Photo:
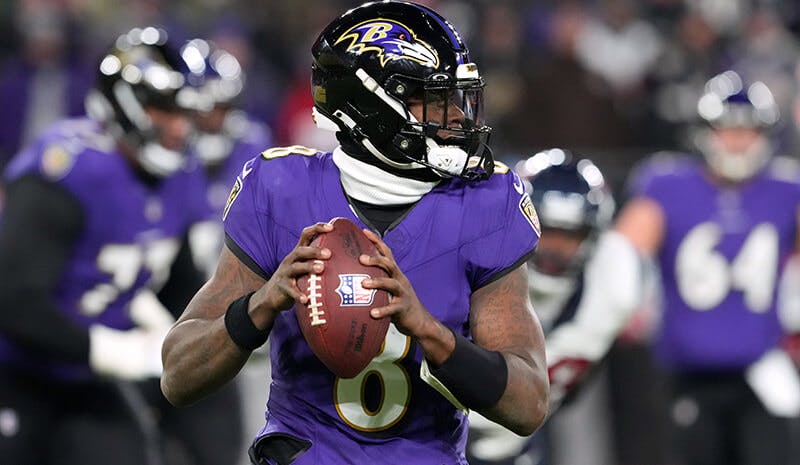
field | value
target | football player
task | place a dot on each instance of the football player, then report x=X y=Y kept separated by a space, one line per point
x=582 y=282
x=225 y=137
x=94 y=213
x=720 y=232
x=454 y=232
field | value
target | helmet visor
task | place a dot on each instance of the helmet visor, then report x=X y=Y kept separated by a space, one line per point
x=458 y=105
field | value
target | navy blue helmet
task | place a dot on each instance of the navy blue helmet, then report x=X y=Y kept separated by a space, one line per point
x=569 y=195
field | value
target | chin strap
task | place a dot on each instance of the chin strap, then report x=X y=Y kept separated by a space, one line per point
x=371 y=184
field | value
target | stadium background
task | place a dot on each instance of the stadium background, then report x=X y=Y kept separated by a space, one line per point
x=614 y=80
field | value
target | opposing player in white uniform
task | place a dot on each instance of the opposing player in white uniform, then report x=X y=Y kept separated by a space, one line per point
x=584 y=285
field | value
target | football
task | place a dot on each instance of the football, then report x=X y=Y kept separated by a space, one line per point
x=335 y=321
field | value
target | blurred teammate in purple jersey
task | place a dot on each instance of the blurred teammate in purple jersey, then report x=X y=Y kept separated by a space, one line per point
x=454 y=231
x=225 y=137
x=721 y=232
x=223 y=140
x=583 y=284
x=95 y=211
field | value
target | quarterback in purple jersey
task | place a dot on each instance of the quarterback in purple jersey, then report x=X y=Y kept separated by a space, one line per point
x=95 y=211
x=454 y=232
x=720 y=233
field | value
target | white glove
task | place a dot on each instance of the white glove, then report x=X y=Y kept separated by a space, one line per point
x=148 y=312
x=494 y=443
x=775 y=381
x=129 y=355
x=134 y=354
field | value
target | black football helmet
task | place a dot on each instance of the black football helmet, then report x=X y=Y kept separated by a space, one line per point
x=729 y=101
x=369 y=62
x=141 y=70
x=571 y=196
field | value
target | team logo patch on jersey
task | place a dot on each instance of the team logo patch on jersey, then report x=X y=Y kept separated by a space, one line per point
x=529 y=212
x=237 y=187
x=390 y=40
x=352 y=293
x=56 y=162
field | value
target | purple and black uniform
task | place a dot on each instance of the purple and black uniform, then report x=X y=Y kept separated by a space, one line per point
x=456 y=239
x=129 y=237
x=721 y=256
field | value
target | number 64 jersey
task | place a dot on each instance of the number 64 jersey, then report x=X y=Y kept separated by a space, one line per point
x=722 y=253
x=456 y=239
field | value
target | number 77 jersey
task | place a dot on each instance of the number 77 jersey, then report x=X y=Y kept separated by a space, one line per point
x=130 y=231
x=721 y=256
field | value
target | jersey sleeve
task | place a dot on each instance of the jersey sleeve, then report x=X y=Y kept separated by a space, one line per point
x=245 y=220
x=508 y=234
x=612 y=291
x=65 y=154
x=647 y=178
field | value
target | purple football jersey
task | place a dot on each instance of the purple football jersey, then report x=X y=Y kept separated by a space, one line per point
x=131 y=230
x=451 y=243
x=722 y=253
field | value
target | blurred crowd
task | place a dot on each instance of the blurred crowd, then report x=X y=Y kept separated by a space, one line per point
x=613 y=80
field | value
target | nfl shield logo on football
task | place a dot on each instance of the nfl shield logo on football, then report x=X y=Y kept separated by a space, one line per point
x=352 y=293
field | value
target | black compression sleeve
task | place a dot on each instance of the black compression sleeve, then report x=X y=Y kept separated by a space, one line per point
x=41 y=222
x=477 y=377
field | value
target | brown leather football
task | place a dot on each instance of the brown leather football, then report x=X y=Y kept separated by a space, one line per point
x=336 y=321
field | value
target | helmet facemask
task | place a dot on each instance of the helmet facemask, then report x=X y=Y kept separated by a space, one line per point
x=450 y=139
x=738 y=164
x=451 y=136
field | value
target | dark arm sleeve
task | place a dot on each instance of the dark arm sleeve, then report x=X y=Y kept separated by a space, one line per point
x=184 y=281
x=39 y=226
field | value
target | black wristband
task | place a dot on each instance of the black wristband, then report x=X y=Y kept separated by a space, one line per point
x=477 y=377
x=240 y=327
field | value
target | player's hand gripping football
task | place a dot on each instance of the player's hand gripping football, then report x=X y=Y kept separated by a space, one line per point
x=281 y=291
x=406 y=311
